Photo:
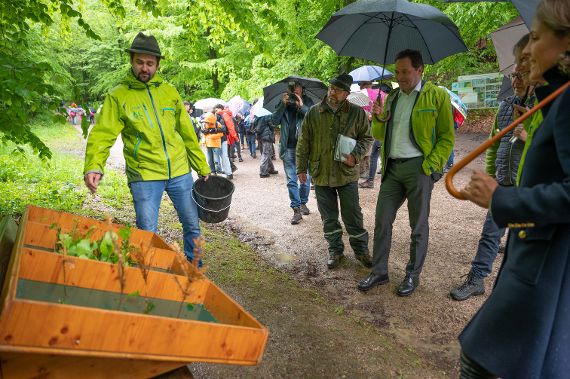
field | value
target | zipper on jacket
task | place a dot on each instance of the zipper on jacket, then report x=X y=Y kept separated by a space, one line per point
x=148 y=116
x=139 y=140
x=159 y=127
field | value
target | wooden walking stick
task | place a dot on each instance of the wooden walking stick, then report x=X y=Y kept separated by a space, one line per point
x=485 y=145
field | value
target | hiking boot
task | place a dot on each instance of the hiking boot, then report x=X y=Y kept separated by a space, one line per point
x=304 y=210
x=364 y=259
x=366 y=184
x=297 y=217
x=471 y=287
x=334 y=261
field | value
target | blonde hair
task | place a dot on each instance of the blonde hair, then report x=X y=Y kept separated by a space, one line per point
x=555 y=14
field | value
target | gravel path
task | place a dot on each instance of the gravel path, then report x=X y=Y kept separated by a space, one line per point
x=428 y=321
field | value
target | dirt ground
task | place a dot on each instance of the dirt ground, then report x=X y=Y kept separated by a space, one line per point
x=428 y=322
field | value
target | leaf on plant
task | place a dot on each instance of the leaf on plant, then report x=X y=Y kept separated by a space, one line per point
x=190 y=307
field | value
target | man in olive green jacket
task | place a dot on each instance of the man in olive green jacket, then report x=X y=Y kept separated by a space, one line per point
x=416 y=131
x=336 y=178
x=160 y=145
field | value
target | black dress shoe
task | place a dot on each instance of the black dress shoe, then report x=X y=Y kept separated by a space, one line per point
x=334 y=261
x=264 y=175
x=408 y=285
x=274 y=172
x=364 y=259
x=373 y=280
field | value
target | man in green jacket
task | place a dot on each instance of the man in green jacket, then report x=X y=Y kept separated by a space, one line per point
x=335 y=176
x=160 y=145
x=416 y=131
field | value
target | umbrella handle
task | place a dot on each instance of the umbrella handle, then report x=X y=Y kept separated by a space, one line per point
x=485 y=145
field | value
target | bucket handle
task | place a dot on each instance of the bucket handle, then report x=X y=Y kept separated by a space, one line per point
x=206 y=209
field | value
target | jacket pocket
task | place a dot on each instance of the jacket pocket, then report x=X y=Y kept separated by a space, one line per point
x=314 y=168
x=529 y=251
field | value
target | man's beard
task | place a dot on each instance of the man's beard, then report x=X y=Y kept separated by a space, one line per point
x=144 y=77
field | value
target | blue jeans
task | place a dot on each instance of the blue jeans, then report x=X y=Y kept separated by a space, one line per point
x=147 y=196
x=487 y=249
x=251 y=143
x=226 y=165
x=298 y=193
x=214 y=157
x=374 y=155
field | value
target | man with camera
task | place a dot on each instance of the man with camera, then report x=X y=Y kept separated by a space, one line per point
x=290 y=114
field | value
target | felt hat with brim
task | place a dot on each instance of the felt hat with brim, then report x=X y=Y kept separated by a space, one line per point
x=144 y=44
x=343 y=81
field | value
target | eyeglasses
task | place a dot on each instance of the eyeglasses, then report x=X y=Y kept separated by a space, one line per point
x=516 y=75
x=336 y=90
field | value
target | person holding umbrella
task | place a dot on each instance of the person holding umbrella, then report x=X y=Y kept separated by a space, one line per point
x=334 y=137
x=416 y=131
x=522 y=330
x=290 y=113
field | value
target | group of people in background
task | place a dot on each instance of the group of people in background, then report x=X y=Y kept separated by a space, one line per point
x=522 y=330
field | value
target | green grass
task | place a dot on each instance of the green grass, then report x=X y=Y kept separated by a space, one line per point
x=56 y=183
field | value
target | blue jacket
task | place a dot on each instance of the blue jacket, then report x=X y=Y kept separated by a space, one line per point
x=281 y=116
x=523 y=329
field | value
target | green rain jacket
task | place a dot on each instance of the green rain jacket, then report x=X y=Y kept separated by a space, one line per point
x=158 y=136
x=432 y=127
x=317 y=140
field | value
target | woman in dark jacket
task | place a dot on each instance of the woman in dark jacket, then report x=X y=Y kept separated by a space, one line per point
x=523 y=329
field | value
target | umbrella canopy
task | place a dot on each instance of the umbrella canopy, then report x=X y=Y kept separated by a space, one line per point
x=238 y=105
x=257 y=110
x=370 y=73
x=526 y=8
x=207 y=105
x=313 y=88
x=378 y=29
x=456 y=102
x=504 y=39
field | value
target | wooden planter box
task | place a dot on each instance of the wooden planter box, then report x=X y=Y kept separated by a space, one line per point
x=56 y=311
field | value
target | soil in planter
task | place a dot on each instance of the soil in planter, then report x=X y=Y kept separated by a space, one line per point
x=91 y=298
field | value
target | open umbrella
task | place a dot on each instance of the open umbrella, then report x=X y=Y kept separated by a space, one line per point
x=504 y=39
x=207 y=105
x=238 y=105
x=313 y=88
x=378 y=29
x=526 y=8
x=370 y=73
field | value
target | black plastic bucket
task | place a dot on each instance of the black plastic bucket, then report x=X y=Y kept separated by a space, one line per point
x=213 y=198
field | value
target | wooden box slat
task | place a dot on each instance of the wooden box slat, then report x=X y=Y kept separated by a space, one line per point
x=48 y=267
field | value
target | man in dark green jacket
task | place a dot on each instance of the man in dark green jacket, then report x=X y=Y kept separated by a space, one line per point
x=336 y=177
x=416 y=131
x=160 y=145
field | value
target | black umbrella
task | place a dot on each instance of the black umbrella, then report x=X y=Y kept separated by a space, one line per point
x=378 y=29
x=313 y=88
x=526 y=8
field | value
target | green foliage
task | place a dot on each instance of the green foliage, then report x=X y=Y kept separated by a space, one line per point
x=107 y=249
x=74 y=49
x=56 y=183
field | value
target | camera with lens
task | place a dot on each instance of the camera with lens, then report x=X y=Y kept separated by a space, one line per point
x=291 y=92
